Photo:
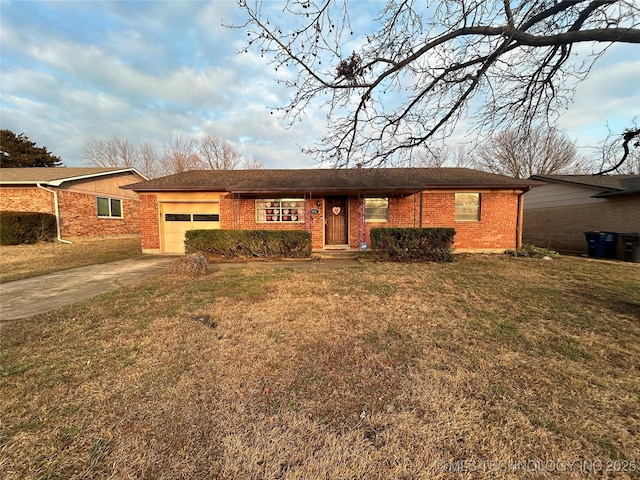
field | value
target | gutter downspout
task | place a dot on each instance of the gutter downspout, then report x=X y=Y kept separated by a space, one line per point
x=519 y=218
x=57 y=210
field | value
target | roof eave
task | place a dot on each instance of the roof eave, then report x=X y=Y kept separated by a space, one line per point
x=617 y=193
x=542 y=178
x=56 y=182
x=329 y=190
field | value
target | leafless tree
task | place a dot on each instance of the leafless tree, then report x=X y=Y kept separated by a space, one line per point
x=441 y=156
x=149 y=160
x=180 y=155
x=540 y=152
x=111 y=152
x=219 y=154
x=251 y=163
x=406 y=78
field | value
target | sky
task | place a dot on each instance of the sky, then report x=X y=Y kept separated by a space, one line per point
x=149 y=70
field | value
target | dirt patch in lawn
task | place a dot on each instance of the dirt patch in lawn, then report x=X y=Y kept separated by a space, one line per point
x=24 y=261
x=485 y=367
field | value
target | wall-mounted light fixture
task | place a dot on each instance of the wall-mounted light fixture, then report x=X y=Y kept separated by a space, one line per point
x=317 y=203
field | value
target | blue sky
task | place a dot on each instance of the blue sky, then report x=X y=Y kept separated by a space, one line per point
x=148 y=70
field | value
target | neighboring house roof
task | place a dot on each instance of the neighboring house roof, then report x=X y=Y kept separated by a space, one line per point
x=56 y=176
x=607 y=185
x=356 y=180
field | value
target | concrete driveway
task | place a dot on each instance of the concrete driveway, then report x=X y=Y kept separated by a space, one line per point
x=31 y=296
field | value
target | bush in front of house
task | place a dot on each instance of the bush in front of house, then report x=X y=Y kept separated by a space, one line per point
x=26 y=227
x=249 y=243
x=413 y=244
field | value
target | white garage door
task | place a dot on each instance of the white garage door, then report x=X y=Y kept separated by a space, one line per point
x=178 y=218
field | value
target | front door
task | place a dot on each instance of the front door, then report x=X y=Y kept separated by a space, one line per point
x=336 y=226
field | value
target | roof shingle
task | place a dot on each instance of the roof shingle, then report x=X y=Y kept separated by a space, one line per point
x=55 y=175
x=398 y=180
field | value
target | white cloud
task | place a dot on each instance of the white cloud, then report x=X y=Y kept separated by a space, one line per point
x=146 y=70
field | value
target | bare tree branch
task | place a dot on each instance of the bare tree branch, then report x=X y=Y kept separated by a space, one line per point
x=423 y=66
x=627 y=137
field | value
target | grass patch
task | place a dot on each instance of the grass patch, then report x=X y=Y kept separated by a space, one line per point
x=26 y=261
x=372 y=371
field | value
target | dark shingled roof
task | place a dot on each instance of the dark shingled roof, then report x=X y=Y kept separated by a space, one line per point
x=326 y=181
x=55 y=176
x=609 y=185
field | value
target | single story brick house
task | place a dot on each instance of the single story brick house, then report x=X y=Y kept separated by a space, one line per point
x=85 y=201
x=558 y=213
x=338 y=206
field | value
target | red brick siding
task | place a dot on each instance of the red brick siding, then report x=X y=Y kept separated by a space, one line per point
x=495 y=230
x=28 y=199
x=79 y=216
x=240 y=214
x=78 y=211
x=149 y=222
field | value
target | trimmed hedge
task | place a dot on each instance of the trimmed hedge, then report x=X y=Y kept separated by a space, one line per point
x=413 y=244
x=26 y=227
x=249 y=243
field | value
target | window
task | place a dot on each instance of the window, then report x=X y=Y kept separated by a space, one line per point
x=467 y=207
x=376 y=209
x=287 y=210
x=186 y=217
x=109 y=207
x=201 y=217
x=177 y=217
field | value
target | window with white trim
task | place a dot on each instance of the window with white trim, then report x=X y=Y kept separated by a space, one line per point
x=376 y=210
x=109 y=207
x=467 y=207
x=282 y=210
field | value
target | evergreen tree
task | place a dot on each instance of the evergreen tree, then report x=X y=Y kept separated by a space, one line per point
x=17 y=151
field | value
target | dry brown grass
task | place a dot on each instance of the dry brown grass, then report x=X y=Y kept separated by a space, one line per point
x=371 y=371
x=24 y=261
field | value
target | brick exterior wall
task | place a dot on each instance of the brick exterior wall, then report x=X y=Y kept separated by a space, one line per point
x=149 y=222
x=78 y=211
x=79 y=217
x=496 y=229
x=562 y=228
x=27 y=199
x=240 y=214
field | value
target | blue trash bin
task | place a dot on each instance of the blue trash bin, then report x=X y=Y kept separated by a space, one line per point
x=601 y=244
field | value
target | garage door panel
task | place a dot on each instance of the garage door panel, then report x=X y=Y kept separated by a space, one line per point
x=178 y=218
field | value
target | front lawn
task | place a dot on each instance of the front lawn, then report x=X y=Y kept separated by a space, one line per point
x=25 y=261
x=489 y=366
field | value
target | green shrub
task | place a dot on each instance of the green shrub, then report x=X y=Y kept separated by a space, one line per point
x=413 y=244
x=249 y=243
x=26 y=227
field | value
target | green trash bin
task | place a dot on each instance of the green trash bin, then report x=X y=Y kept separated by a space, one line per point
x=631 y=244
x=601 y=244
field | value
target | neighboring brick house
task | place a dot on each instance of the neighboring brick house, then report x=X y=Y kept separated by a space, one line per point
x=338 y=206
x=558 y=213
x=86 y=201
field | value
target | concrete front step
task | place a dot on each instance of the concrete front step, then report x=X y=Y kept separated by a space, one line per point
x=335 y=253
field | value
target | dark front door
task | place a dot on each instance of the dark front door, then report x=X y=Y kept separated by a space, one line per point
x=336 y=221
